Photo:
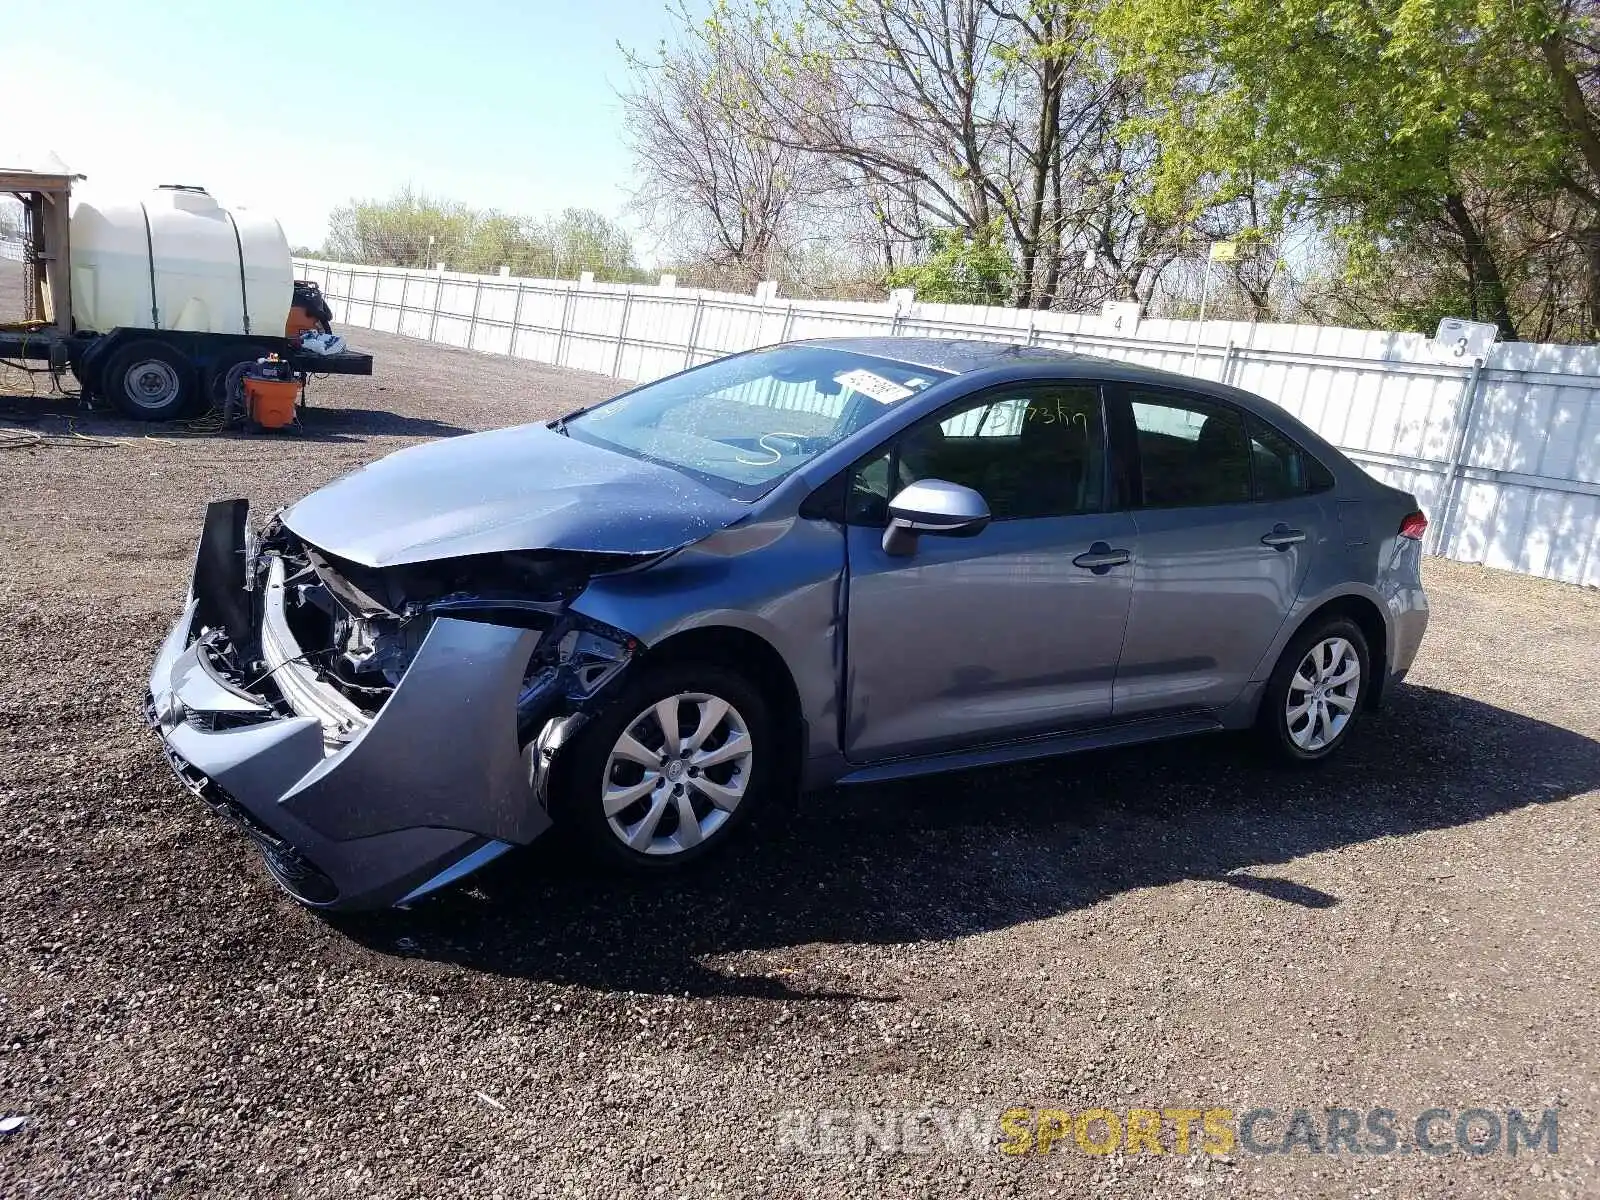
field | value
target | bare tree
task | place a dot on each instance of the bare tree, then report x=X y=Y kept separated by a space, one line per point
x=948 y=114
x=860 y=131
x=915 y=99
x=725 y=191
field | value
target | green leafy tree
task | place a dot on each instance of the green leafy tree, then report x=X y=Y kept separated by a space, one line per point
x=1396 y=122
x=961 y=268
x=412 y=229
x=581 y=239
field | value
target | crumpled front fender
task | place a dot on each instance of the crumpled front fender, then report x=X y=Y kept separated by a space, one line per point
x=441 y=752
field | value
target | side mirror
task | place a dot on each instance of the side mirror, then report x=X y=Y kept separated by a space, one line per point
x=935 y=507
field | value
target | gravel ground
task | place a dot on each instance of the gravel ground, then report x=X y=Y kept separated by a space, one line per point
x=1412 y=926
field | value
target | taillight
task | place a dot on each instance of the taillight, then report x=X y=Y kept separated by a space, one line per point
x=1414 y=526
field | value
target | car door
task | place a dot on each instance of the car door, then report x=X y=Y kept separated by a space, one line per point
x=1228 y=523
x=1014 y=631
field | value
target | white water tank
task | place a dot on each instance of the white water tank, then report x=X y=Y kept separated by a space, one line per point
x=178 y=260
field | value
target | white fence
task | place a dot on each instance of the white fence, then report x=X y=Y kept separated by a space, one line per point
x=10 y=250
x=1503 y=454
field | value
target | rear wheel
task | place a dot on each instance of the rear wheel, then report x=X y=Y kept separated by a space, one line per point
x=149 y=381
x=223 y=373
x=1316 y=692
x=670 y=770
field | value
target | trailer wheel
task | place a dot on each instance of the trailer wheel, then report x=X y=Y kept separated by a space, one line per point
x=221 y=368
x=149 y=381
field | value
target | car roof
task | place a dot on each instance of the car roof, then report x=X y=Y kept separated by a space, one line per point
x=959 y=356
x=963 y=356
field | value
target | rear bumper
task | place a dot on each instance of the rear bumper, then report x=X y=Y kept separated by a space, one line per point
x=349 y=811
x=1407 y=603
x=1409 y=622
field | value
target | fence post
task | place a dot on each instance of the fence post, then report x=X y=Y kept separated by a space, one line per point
x=622 y=331
x=900 y=302
x=788 y=322
x=1227 y=363
x=438 y=294
x=694 y=331
x=516 y=321
x=1458 y=454
x=561 y=333
x=1033 y=316
x=472 y=325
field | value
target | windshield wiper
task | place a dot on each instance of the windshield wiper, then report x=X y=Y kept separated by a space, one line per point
x=560 y=423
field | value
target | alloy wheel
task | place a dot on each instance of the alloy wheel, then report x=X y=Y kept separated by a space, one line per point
x=1323 y=692
x=677 y=773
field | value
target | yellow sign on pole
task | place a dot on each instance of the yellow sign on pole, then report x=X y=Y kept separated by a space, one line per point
x=1224 y=251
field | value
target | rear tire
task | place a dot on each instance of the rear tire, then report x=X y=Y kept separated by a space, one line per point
x=641 y=803
x=1316 y=692
x=216 y=392
x=149 y=381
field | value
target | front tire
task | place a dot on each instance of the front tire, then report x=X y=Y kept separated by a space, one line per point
x=1316 y=692
x=669 y=771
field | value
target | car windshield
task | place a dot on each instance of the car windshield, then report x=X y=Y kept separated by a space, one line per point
x=741 y=424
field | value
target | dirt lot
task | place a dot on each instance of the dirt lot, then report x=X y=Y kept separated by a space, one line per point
x=1412 y=927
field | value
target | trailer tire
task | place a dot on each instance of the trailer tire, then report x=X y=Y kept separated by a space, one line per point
x=221 y=368
x=149 y=381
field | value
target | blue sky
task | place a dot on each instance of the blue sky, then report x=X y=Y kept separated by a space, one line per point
x=297 y=107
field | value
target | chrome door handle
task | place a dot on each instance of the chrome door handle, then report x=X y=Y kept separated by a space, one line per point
x=1282 y=537
x=1100 y=558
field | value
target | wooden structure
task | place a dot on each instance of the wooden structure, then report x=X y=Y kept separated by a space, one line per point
x=45 y=188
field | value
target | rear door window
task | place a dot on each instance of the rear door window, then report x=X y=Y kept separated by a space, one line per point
x=1282 y=468
x=1278 y=465
x=1191 y=451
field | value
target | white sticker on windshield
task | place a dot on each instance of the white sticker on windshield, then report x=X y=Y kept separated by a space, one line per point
x=884 y=391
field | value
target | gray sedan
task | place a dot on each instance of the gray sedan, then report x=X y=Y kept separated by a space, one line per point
x=830 y=562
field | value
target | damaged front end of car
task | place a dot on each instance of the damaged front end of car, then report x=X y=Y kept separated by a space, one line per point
x=378 y=732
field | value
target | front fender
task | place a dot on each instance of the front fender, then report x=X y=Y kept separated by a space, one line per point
x=780 y=580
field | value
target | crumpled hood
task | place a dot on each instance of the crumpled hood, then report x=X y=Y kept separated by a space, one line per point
x=523 y=488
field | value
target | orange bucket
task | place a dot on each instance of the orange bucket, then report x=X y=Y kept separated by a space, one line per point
x=272 y=401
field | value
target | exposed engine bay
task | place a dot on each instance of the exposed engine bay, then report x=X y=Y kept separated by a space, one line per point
x=362 y=626
x=359 y=628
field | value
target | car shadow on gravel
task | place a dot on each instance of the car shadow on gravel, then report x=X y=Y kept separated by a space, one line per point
x=946 y=858
x=358 y=424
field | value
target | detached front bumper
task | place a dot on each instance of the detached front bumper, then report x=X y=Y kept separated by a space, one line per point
x=350 y=811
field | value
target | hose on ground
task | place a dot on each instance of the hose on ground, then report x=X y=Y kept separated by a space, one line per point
x=33 y=439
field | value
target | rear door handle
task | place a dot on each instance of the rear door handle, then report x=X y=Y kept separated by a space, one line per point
x=1282 y=537
x=1100 y=558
